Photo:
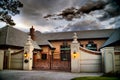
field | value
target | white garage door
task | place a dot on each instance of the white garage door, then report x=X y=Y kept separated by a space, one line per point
x=17 y=61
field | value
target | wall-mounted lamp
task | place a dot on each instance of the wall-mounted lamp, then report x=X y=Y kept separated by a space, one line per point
x=74 y=54
x=25 y=54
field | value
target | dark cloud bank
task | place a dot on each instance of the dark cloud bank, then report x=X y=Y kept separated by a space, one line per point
x=80 y=14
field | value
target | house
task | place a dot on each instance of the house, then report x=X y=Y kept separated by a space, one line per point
x=13 y=40
x=84 y=51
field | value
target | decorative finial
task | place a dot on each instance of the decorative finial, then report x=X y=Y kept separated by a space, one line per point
x=28 y=40
x=75 y=38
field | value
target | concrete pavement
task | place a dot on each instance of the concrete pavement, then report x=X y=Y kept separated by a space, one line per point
x=41 y=75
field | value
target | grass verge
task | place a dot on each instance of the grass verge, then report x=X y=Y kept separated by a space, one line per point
x=95 y=78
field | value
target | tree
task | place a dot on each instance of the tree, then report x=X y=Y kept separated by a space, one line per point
x=117 y=1
x=9 y=8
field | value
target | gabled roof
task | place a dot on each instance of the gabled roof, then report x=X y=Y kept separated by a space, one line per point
x=87 y=34
x=3 y=33
x=115 y=37
x=41 y=39
x=35 y=45
x=14 y=37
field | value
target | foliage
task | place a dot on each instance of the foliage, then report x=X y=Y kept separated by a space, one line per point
x=112 y=74
x=106 y=76
x=8 y=8
x=95 y=78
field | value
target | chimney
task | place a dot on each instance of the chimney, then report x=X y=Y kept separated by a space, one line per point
x=32 y=33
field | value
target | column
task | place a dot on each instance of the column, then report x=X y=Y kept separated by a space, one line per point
x=9 y=58
x=75 y=55
x=108 y=57
x=28 y=55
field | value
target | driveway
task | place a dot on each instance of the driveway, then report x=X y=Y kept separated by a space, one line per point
x=41 y=75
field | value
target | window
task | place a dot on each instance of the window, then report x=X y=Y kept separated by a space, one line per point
x=44 y=56
x=81 y=45
x=65 y=52
x=91 y=46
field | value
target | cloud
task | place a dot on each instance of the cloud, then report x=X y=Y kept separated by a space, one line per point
x=104 y=12
x=86 y=23
x=73 y=12
x=34 y=10
x=68 y=14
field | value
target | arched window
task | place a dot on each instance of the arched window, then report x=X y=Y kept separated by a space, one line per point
x=91 y=46
x=81 y=45
x=65 y=52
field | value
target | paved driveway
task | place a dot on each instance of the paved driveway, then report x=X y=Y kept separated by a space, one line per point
x=41 y=75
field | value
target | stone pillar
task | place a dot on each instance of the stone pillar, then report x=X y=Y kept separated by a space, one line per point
x=108 y=57
x=9 y=58
x=75 y=55
x=1 y=59
x=102 y=57
x=28 y=55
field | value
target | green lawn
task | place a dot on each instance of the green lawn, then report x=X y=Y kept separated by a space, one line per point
x=95 y=78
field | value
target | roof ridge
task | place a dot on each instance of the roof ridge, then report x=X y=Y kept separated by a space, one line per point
x=7 y=26
x=77 y=31
x=7 y=34
x=19 y=30
x=114 y=37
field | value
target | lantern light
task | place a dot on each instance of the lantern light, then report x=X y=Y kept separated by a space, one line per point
x=25 y=54
x=74 y=54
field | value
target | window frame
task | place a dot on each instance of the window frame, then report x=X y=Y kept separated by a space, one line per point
x=65 y=52
x=44 y=56
x=91 y=45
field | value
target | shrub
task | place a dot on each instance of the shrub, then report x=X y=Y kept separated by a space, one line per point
x=112 y=74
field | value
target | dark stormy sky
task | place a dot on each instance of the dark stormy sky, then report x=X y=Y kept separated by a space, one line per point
x=105 y=17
